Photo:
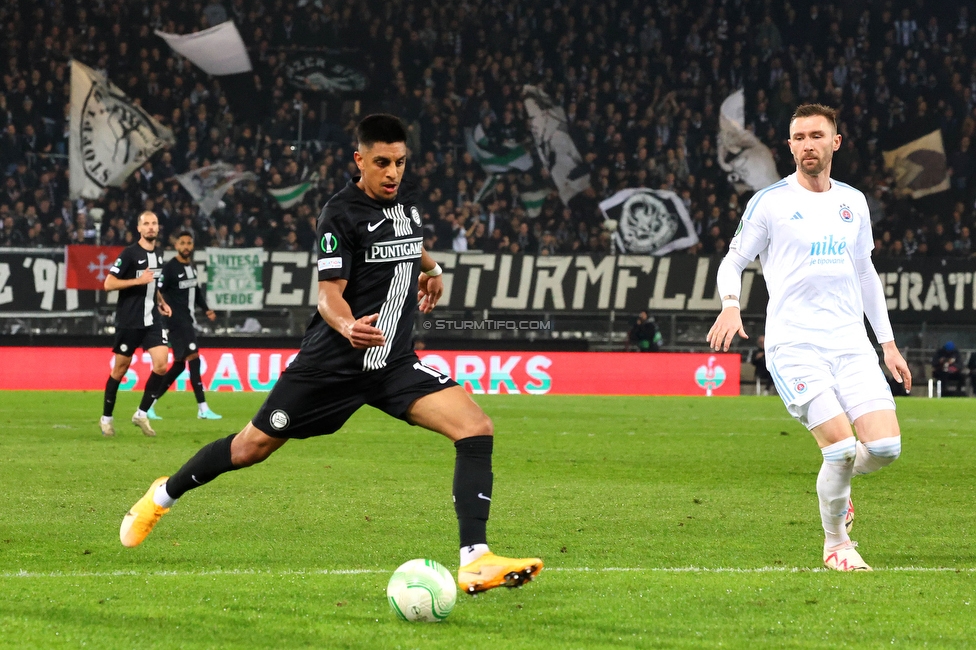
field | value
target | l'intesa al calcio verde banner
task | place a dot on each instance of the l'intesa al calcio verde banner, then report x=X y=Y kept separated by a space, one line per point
x=530 y=373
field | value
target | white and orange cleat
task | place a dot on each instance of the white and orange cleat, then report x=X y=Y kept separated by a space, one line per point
x=142 y=517
x=845 y=558
x=490 y=571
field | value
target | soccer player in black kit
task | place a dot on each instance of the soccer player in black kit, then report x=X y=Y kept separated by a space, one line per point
x=137 y=320
x=178 y=285
x=358 y=349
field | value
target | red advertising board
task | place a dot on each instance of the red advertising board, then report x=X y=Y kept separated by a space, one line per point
x=532 y=373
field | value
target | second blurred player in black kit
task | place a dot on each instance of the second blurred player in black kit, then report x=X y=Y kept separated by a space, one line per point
x=358 y=349
x=180 y=288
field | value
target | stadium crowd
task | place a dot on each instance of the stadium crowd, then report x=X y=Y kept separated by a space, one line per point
x=641 y=83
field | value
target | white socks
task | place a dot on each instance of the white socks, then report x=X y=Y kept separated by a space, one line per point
x=471 y=553
x=876 y=454
x=202 y=407
x=162 y=498
x=107 y=418
x=140 y=413
x=834 y=489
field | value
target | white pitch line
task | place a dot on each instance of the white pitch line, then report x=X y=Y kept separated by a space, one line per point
x=297 y=572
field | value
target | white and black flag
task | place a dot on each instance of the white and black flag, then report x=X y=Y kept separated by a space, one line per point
x=208 y=185
x=747 y=160
x=550 y=130
x=648 y=222
x=325 y=74
x=110 y=136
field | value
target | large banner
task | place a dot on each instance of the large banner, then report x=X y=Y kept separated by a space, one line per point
x=235 y=278
x=930 y=290
x=481 y=373
x=109 y=136
x=326 y=74
x=648 y=222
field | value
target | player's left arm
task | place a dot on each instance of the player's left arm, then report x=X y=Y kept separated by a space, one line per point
x=430 y=284
x=875 y=304
x=163 y=306
x=201 y=302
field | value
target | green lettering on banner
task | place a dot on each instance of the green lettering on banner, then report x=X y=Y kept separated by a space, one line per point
x=234 y=280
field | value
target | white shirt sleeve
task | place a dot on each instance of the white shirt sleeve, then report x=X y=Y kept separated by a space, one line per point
x=750 y=239
x=872 y=294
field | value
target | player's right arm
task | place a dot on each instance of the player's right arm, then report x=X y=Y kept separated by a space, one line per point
x=336 y=242
x=121 y=267
x=751 y=238
x=335 y=311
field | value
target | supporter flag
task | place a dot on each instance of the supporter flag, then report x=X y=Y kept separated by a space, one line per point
x=289 y=196
x=748 y=161
x=318 y=73
x=920 y=166
x=110 y=136
x=495 y=157
x=218 y=50
x=558 y=152
x=533 y=192
x=487 y=188
x=208 y=185
x=648 y=222
x=87 y=266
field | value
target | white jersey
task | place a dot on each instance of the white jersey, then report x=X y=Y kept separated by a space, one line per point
x=807 y=243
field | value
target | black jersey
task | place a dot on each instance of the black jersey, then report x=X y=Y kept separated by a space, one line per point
x=136 y=308
x=178 y=285
x=376 y=246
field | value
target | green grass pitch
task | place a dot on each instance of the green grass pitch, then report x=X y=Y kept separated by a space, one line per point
x=663 y=522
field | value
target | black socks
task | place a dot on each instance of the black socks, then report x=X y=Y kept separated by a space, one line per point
x=171 y=375
x=195 y=380
x=111 y=391
x=154 y=388
x=472 y=488
x=209 y=463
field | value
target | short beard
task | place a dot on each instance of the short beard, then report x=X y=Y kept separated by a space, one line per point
x=149 y=238
x=822 y=165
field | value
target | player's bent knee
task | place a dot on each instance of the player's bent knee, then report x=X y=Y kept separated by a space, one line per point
x=886 y=450
x=251 y=446
x=474 y=427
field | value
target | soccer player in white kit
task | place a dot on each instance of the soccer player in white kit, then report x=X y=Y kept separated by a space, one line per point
x=813 y=238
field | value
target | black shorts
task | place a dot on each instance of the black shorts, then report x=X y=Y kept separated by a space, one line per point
x=182 y=339
x=307 y=402
x=127 y=341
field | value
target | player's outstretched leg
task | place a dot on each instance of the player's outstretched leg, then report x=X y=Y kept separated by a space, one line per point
x=452 y=413
x=219 y=457
x=834 y=493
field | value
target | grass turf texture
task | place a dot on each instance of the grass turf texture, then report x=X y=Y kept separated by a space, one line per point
x=296 y=552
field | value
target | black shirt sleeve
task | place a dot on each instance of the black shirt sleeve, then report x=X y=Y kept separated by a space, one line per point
x=201 y=299
x=335 y=244
x=123 y=266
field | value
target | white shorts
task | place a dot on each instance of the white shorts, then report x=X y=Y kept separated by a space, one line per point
x=818 y=384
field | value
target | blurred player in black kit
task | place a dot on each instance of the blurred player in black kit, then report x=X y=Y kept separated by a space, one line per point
x=137 y=320
x=178 y=285
x=358 y=349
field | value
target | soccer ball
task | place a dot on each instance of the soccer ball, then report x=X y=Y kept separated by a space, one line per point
x=422 y=590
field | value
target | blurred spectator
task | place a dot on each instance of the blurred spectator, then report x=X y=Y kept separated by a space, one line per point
x=644 y=335
x=759 y=361
x=947 y=368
